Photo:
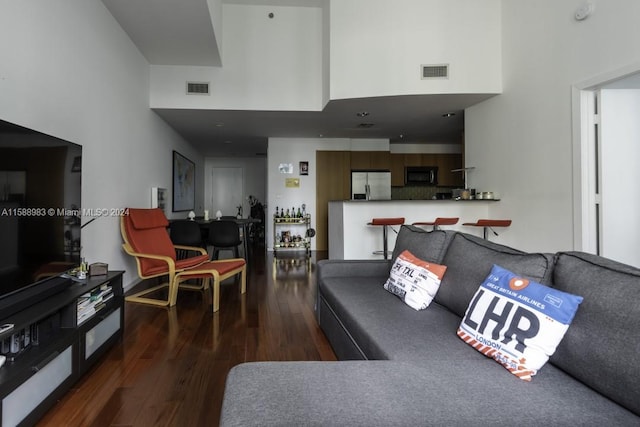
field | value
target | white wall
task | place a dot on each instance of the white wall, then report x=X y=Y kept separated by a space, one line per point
x=295 y=150
x=520 y=141
x=378 y=46
x=620 y=148
x=268 y=64
x=69 y=70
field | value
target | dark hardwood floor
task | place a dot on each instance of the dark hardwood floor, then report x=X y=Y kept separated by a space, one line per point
x=171 y=365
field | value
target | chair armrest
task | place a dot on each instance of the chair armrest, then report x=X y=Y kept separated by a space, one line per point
x=170 y=262
x=202 y=251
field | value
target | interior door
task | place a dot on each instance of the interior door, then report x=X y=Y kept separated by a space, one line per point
x=226 y=191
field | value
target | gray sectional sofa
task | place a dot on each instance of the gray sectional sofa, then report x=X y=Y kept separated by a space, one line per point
x=401 y=367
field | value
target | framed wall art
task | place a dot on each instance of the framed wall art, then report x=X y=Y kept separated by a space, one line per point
x=184 y=183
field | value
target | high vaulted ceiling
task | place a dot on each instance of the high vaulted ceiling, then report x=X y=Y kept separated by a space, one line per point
x=169 y=32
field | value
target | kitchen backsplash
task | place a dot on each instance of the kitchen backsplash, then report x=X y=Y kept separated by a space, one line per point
x=416 y=192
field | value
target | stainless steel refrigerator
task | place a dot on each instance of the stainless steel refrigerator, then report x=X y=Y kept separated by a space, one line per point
x=371 y=185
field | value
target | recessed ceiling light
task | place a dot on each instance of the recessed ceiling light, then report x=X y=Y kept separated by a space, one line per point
x=228 y=142
x=219 y=125
x=449 y=114
x=362 y=114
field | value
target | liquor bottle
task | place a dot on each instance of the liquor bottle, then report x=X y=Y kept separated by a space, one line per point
x=287 y=216
x=276 y=215
x=299 y=215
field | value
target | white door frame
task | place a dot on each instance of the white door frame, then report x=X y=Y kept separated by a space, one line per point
x=583 y=142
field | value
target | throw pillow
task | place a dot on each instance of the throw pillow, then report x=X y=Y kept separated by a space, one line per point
x=413 y=280
x=517 y=322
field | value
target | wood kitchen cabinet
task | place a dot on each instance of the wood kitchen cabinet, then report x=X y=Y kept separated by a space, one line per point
x=445 y=163
x=414 y=159
x=333 y=182
x=369 y=160
x=396 y=162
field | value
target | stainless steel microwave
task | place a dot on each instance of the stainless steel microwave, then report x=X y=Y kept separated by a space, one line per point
x=421 y=175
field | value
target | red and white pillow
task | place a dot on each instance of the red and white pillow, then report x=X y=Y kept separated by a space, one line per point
x=414 y=281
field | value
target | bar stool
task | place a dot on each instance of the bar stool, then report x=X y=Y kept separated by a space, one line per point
x=438 y=222
x=489 y=224
x=384 y=223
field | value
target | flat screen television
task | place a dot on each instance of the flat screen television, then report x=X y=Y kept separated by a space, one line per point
x=40 y=195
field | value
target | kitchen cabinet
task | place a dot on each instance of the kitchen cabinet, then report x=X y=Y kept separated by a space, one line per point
x=413 y=159
x=429 y=159
x=396 y=163
x=370 y=160
x=445 y=163
x=333 y=182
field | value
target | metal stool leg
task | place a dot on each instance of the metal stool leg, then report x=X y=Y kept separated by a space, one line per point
x=384 y=241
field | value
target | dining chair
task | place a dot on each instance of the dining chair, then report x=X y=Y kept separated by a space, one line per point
x=184 y=232
x=224 y=235
x=145 y=236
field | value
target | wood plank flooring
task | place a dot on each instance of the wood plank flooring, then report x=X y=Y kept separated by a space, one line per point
x=171 y=365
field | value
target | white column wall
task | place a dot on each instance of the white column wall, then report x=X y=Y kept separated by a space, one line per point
x=267 y=64
x=295 y=150
x=521 y=141
x=378 y=46
x=70 y=71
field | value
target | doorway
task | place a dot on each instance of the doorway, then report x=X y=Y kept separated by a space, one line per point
x=607 y=206
x=226 y=191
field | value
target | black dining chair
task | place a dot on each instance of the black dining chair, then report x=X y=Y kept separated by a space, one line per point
x=185 y=233
x=224 y=235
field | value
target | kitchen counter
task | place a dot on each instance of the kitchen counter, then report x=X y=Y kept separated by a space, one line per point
x=351 y=238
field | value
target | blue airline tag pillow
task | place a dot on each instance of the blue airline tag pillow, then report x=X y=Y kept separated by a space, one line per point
x=517 y=322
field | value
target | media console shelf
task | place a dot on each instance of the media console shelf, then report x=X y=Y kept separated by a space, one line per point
x=67 y=333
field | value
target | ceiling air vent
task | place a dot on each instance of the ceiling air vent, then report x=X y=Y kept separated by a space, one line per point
x=365 y=125
x=197 y=88
x=440 y=71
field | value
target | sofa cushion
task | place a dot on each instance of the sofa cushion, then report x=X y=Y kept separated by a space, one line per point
x=517 y=322
x=469 y=260
x=414 y=281
x=602 y=346
x=383 y=327
x=387 y=393
x=427 y=245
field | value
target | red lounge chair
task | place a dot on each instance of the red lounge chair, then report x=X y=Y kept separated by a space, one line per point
x=145 y=236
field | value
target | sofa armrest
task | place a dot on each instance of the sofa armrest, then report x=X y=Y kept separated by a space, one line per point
x=351 y=268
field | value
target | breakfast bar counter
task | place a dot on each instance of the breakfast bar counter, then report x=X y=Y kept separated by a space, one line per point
x=351 y=238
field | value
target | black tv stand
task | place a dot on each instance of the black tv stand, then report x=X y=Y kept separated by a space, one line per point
x=68 y=333
x=32 y=294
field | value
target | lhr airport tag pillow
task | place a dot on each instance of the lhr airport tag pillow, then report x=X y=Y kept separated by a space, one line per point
x=517 y=322
x=414 y=281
